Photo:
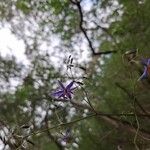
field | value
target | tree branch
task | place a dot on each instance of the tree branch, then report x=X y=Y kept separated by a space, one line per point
x=131 y=96
x=77 y=3
x=59 y=146
x=113 y=120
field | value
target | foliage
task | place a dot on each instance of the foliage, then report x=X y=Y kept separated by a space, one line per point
x=110 y=106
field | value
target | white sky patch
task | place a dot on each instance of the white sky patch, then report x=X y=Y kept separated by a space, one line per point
x=75 y=145
x=39 y=115
x=87 y=5
x=1 y=145
x=10 y=45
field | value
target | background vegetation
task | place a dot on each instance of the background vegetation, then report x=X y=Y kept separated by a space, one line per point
x=97 y=43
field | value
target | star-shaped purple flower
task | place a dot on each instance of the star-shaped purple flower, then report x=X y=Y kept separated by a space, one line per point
x=64 y=92
x=146 y=73
x=67 y=136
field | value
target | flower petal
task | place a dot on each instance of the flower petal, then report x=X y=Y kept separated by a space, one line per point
x=144 y=75
x=148 y=62
x=62 y=86
x=144 y=62
x=57 y=93
x=62 y=95
x=70 y=85
x=68 y=132
x=68 y=94
x=73 y=88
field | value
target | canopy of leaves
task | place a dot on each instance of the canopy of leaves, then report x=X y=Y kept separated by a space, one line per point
x=97 y=44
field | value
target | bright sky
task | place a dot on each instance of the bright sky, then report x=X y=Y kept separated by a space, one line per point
x=10 y=45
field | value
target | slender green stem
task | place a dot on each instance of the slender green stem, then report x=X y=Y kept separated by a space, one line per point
x=60 y=125
x=80 y=119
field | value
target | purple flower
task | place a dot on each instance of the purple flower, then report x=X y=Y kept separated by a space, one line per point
x=146 y=73
x=67 y=136
x=64 y=92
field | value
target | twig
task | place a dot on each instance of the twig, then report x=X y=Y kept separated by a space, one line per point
x=50 y=135
x=136 y=134
x=113 y=120
x=60 y=125
x=77 y=3
x=131 y=96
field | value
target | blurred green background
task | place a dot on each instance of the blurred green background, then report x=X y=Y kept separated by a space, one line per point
x=97 y=43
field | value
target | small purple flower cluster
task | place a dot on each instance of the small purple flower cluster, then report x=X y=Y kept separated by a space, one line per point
x=67 y=136
x=146 y=73
x=64 y=92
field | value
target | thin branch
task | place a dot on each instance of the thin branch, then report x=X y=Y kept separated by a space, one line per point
x=116 y=121
x=113 y=120
x=105 y=30
x=60 y=125
x=50 y=135
x=77 y=3
x=131 y=96
x=82 y=106
x=136 y=134
x=107 y=117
